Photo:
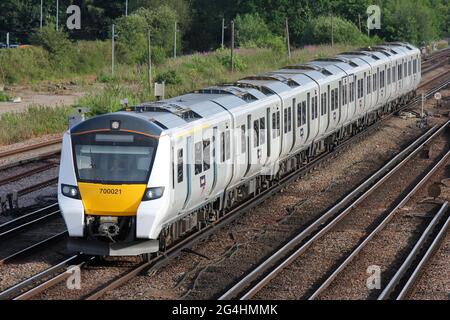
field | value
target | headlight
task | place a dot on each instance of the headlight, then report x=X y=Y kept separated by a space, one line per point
x=70 y=191
x=153 y=193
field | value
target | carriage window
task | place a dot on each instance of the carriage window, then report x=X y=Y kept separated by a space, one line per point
x=405 y=71
x=409 y=68
x=315 y=109
x=198 y=157
x=278 y=124
x=289 y=119
x=256 y=133
x=359 y=89
x=206 y=154
x=303 y=112
x=332 y=100
x=323 y=101
x=388 y=78
x=180 y=165
x=222 y=146
x=299 y=114
x=243 y=139
x=274 y=125
x=285 y=121
x=382 y=80
x=227 y=145
x=353 y=91
x=336 y=99
x=415 y=66
x=399 y=72
x=262 y=127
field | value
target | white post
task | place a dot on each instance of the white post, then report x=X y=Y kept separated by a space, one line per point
x=126 y=8
x=149 y=62
x=42 y=16
x=288 y=41
x=175 y=41
x=7 y=39
x=359 y=21
x=223 y=31
x=57 y=15
x=332 y=31
x=232 y=46
x=113 y=49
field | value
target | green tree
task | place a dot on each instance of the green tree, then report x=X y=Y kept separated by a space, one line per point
x=318 y=31
x=252 y=31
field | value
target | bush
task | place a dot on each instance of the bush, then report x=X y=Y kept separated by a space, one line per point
x=253 y=32
x=131 y=39
x=169 y=77
x=318 y=31
x=133 y=30
x=56 y=43
x=4 y=97
x=224 y=58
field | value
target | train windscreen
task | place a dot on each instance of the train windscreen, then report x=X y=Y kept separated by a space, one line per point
x=114 y=158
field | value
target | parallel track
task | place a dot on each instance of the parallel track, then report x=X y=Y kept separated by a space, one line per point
x=32 y=219
x=404 y=279
x=260 y=276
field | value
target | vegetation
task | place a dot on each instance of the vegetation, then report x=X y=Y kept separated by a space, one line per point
x=36 y=121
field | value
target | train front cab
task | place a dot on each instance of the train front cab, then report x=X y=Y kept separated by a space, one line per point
x=107 y=202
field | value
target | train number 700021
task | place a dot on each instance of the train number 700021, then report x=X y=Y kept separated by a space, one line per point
x=110 y=191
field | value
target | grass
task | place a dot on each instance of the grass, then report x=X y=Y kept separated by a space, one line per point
x=31 y=64
x=182 y=75
x=4 y=97
x=34 y=122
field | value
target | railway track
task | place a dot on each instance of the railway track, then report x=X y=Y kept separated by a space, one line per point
x=404 y=279
x=34 y=285
x=13 y=227
x=270 y=268
x=27 y=229
x=38 y=153
x=436 y=60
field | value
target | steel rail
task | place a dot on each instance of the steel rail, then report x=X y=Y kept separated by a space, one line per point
x=37 y=186
x=380 y=227
x=53 y=281
x=8 y=225
x=27 y=173
x=285 y=254
x=30 y=148
x=414 y=254
x=25 y=225
x=18 y=288
x=33 y=247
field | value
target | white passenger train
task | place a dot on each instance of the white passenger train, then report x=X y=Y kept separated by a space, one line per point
x=134 y=181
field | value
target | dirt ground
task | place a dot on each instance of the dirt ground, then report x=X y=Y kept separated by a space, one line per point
x=51 y=95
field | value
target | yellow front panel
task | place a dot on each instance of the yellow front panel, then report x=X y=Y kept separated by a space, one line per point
x=111 y=200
